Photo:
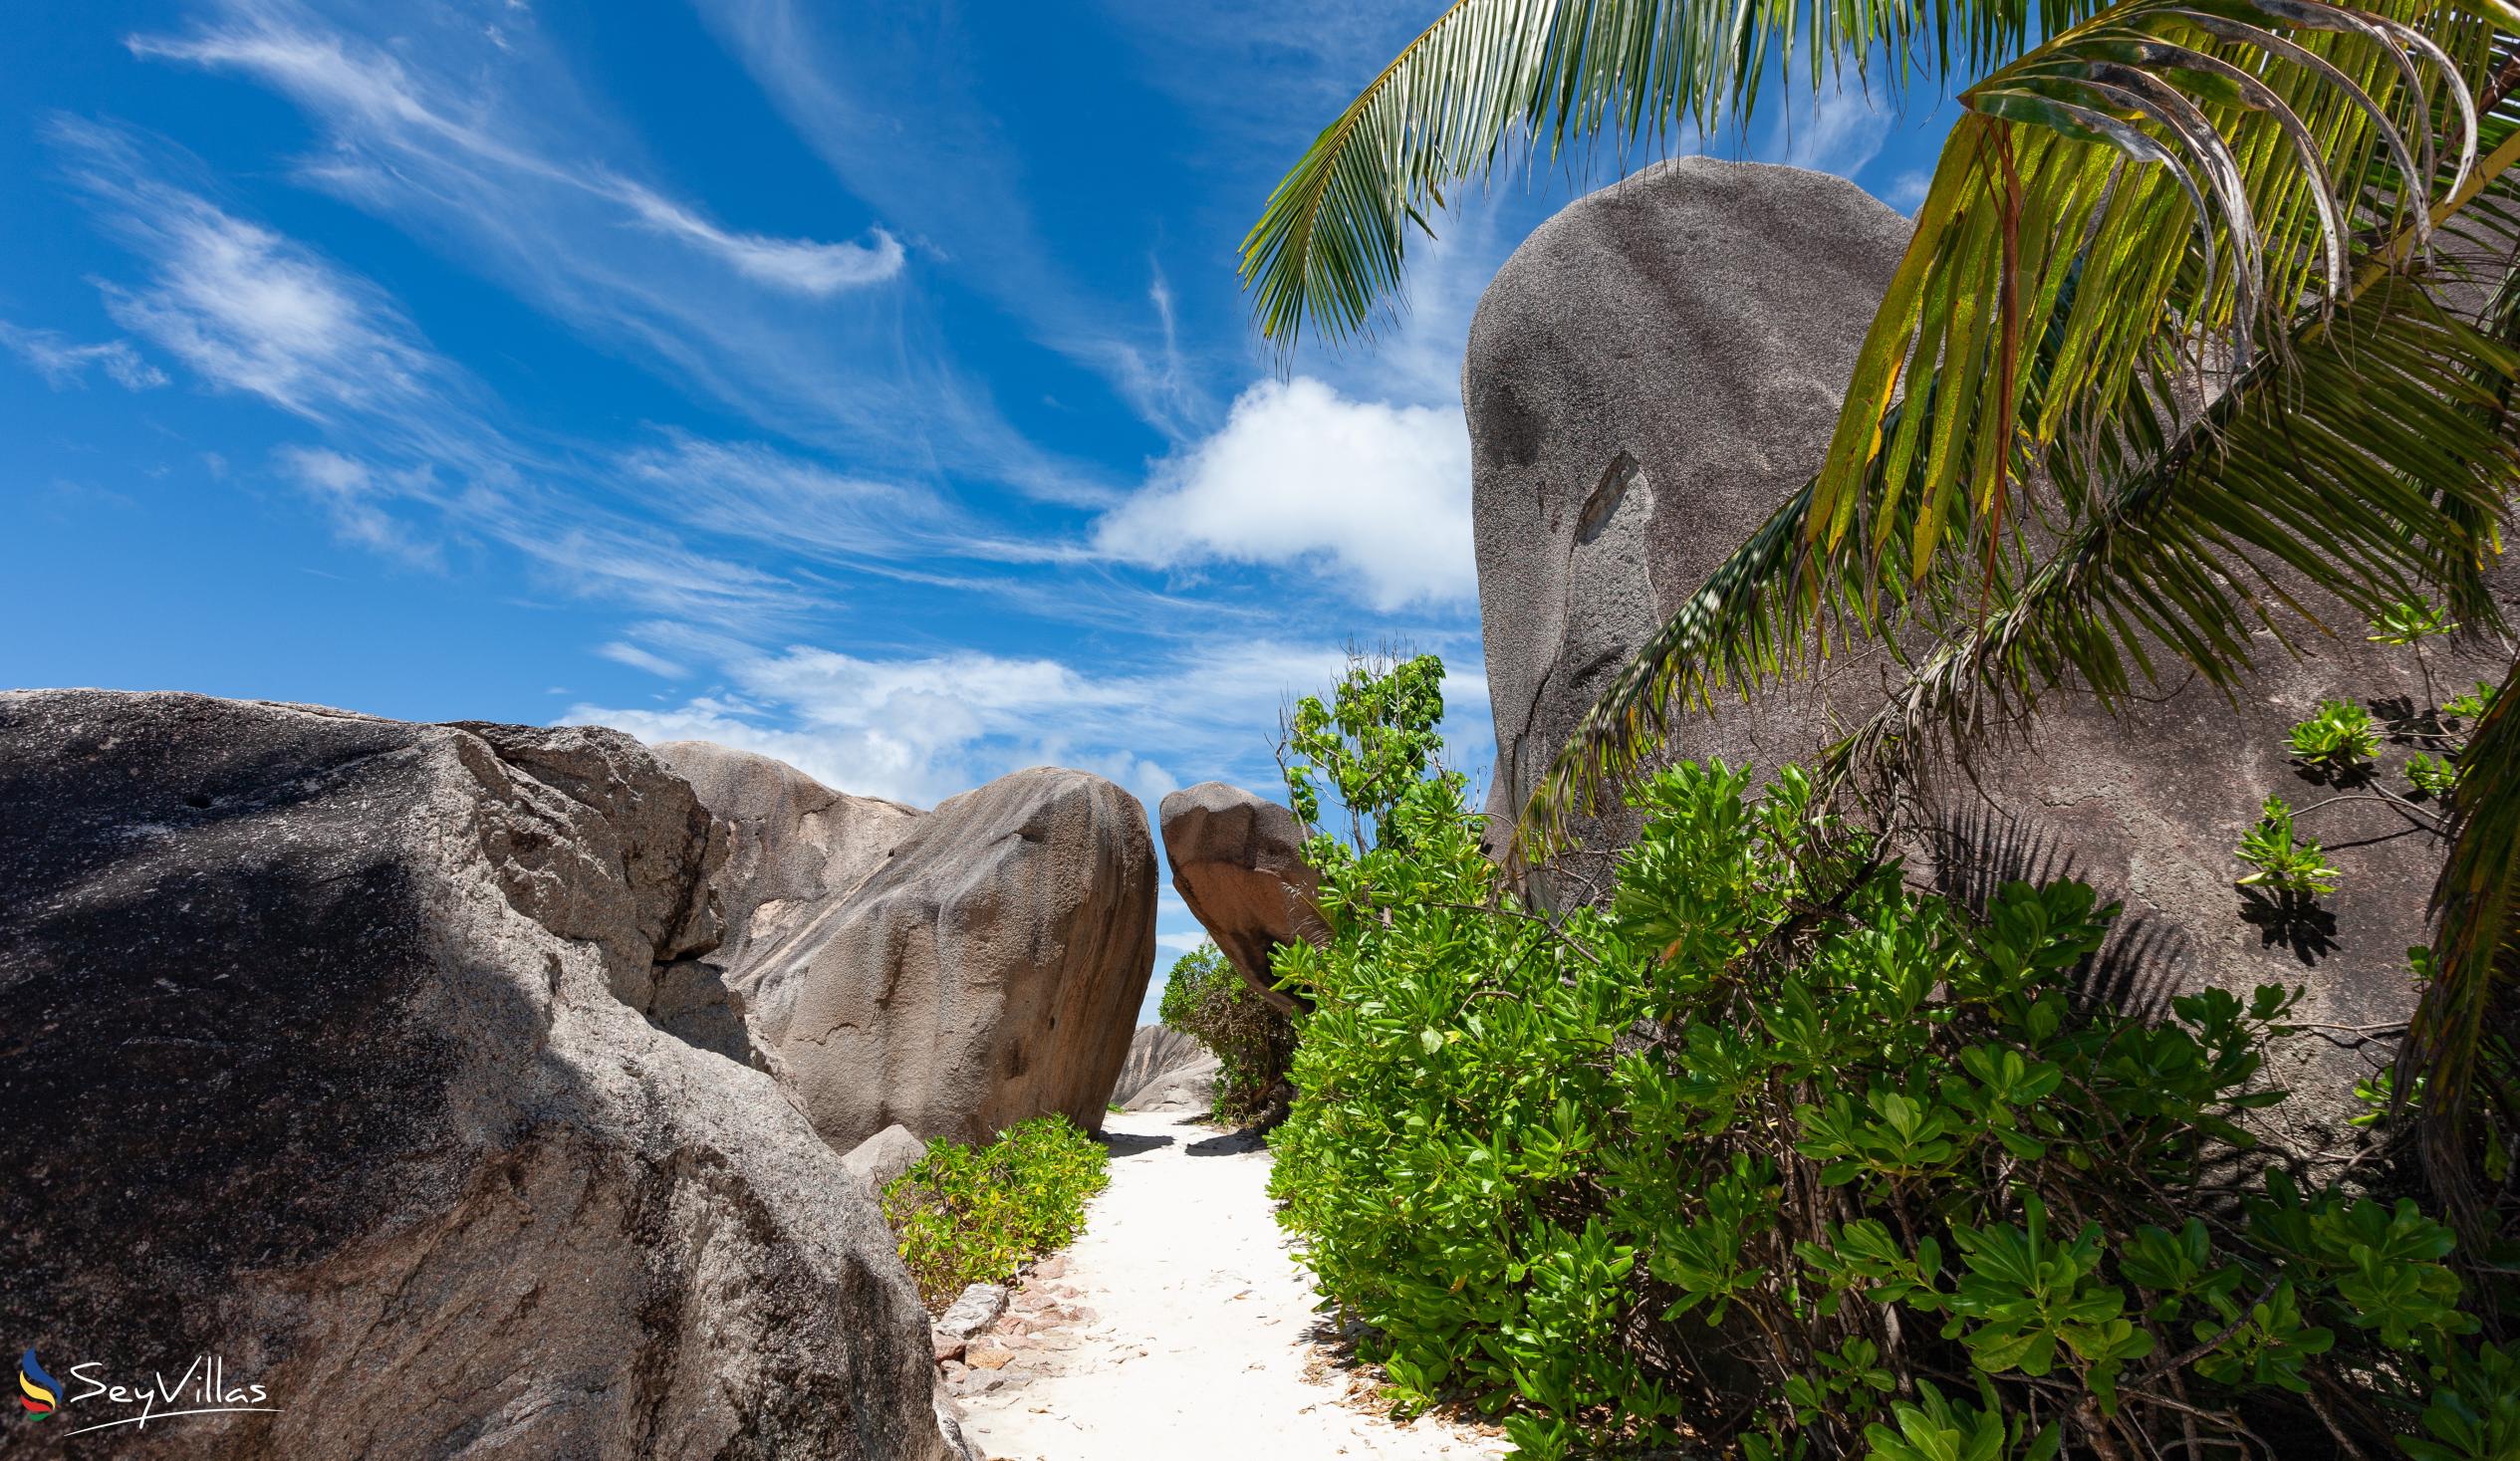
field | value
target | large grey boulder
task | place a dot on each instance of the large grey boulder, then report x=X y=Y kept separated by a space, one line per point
x=795 y=845
x=326 y=1056
x=989 y=970
x=1653 y=373
x=1238 y=863
x=1167 y=1070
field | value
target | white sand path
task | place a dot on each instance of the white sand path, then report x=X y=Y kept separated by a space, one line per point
x=1199 y=1343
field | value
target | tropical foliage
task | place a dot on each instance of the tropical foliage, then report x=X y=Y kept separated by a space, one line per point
x=2206 y=335
x=977 y=1214
x=1206 y=998
x=1775 y=1155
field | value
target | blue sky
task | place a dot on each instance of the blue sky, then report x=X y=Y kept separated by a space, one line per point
x=866 y=385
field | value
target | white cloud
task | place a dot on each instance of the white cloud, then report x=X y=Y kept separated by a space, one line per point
x=889 y=99
x=494 y=155
x=65 y=364
x=799 y=265
x=748 y=489
x=382 y=99
x=919 y=729
x=1375 y=495
x=622 y=653
x=354 y=495
x=1908 y=191
x=1841 y=131
x=245 y=308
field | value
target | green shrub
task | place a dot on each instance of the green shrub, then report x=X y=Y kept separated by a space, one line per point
x=2337 y=738
x=1781 y=1156
x=1205 y=999
x=2295 y=866
x=974 y=1215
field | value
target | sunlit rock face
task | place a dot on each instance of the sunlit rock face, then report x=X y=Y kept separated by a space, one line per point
x=1654 y=371
x=1238 y=861
x=332 y=1053
x=1167 y=1070
x=985 y=969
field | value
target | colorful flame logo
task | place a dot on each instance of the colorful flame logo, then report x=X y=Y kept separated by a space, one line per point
x=40 y=1392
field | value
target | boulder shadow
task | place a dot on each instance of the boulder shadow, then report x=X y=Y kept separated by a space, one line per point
x=1130 y=1143
x=1230 y=1143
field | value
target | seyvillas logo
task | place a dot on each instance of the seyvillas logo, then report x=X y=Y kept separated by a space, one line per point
x=203 y=1388
x=37 y=1392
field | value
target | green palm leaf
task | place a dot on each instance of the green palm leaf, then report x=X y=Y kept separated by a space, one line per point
x=2460 y=1044
x=1490 y=77
x=2355 y=465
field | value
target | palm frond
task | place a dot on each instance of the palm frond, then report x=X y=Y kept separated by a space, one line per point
x=2099 y=252
x=1492 y=81
x=2355 y=464
x=2183 y=159
x=2476 y=960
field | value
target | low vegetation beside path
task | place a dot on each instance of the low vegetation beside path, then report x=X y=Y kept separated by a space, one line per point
x=977 y=1214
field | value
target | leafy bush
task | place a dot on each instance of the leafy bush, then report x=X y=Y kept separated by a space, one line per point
x=1779 y=1154
x=2433 y=776
x=1205 y=999
x=975 y=1214
x=2298 y=867
x=2339 y=738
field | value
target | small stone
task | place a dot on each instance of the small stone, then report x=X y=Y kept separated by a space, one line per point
x=1053 y=1267
x=948 y=1346
x=975 y=1309
x=986 y=1355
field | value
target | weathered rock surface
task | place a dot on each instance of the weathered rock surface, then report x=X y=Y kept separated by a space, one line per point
x=1651 y=374
x=796 y=843
x=1238 y=861
x=885 y=1155
x=973 y=1310
x=324 y=1054
x=988 y=971
x=1167 y=1070
x=1655 y=370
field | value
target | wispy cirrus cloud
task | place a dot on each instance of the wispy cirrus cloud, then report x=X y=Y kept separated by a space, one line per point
x=374 y=100
x=64 y=364
x=245 y=308
x=484 y=146
x=894 y=109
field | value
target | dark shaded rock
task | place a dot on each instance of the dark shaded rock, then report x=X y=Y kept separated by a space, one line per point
x=324 y=1054
x=1238 y=861
x=1167 y=1070
x=1658 y=368
x=988 y=971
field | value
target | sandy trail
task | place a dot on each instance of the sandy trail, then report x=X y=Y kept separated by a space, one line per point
x=1197 y=1339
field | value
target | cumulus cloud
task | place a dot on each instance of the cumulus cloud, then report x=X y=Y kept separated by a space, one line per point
x=65 y=364
x=1372 y=495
